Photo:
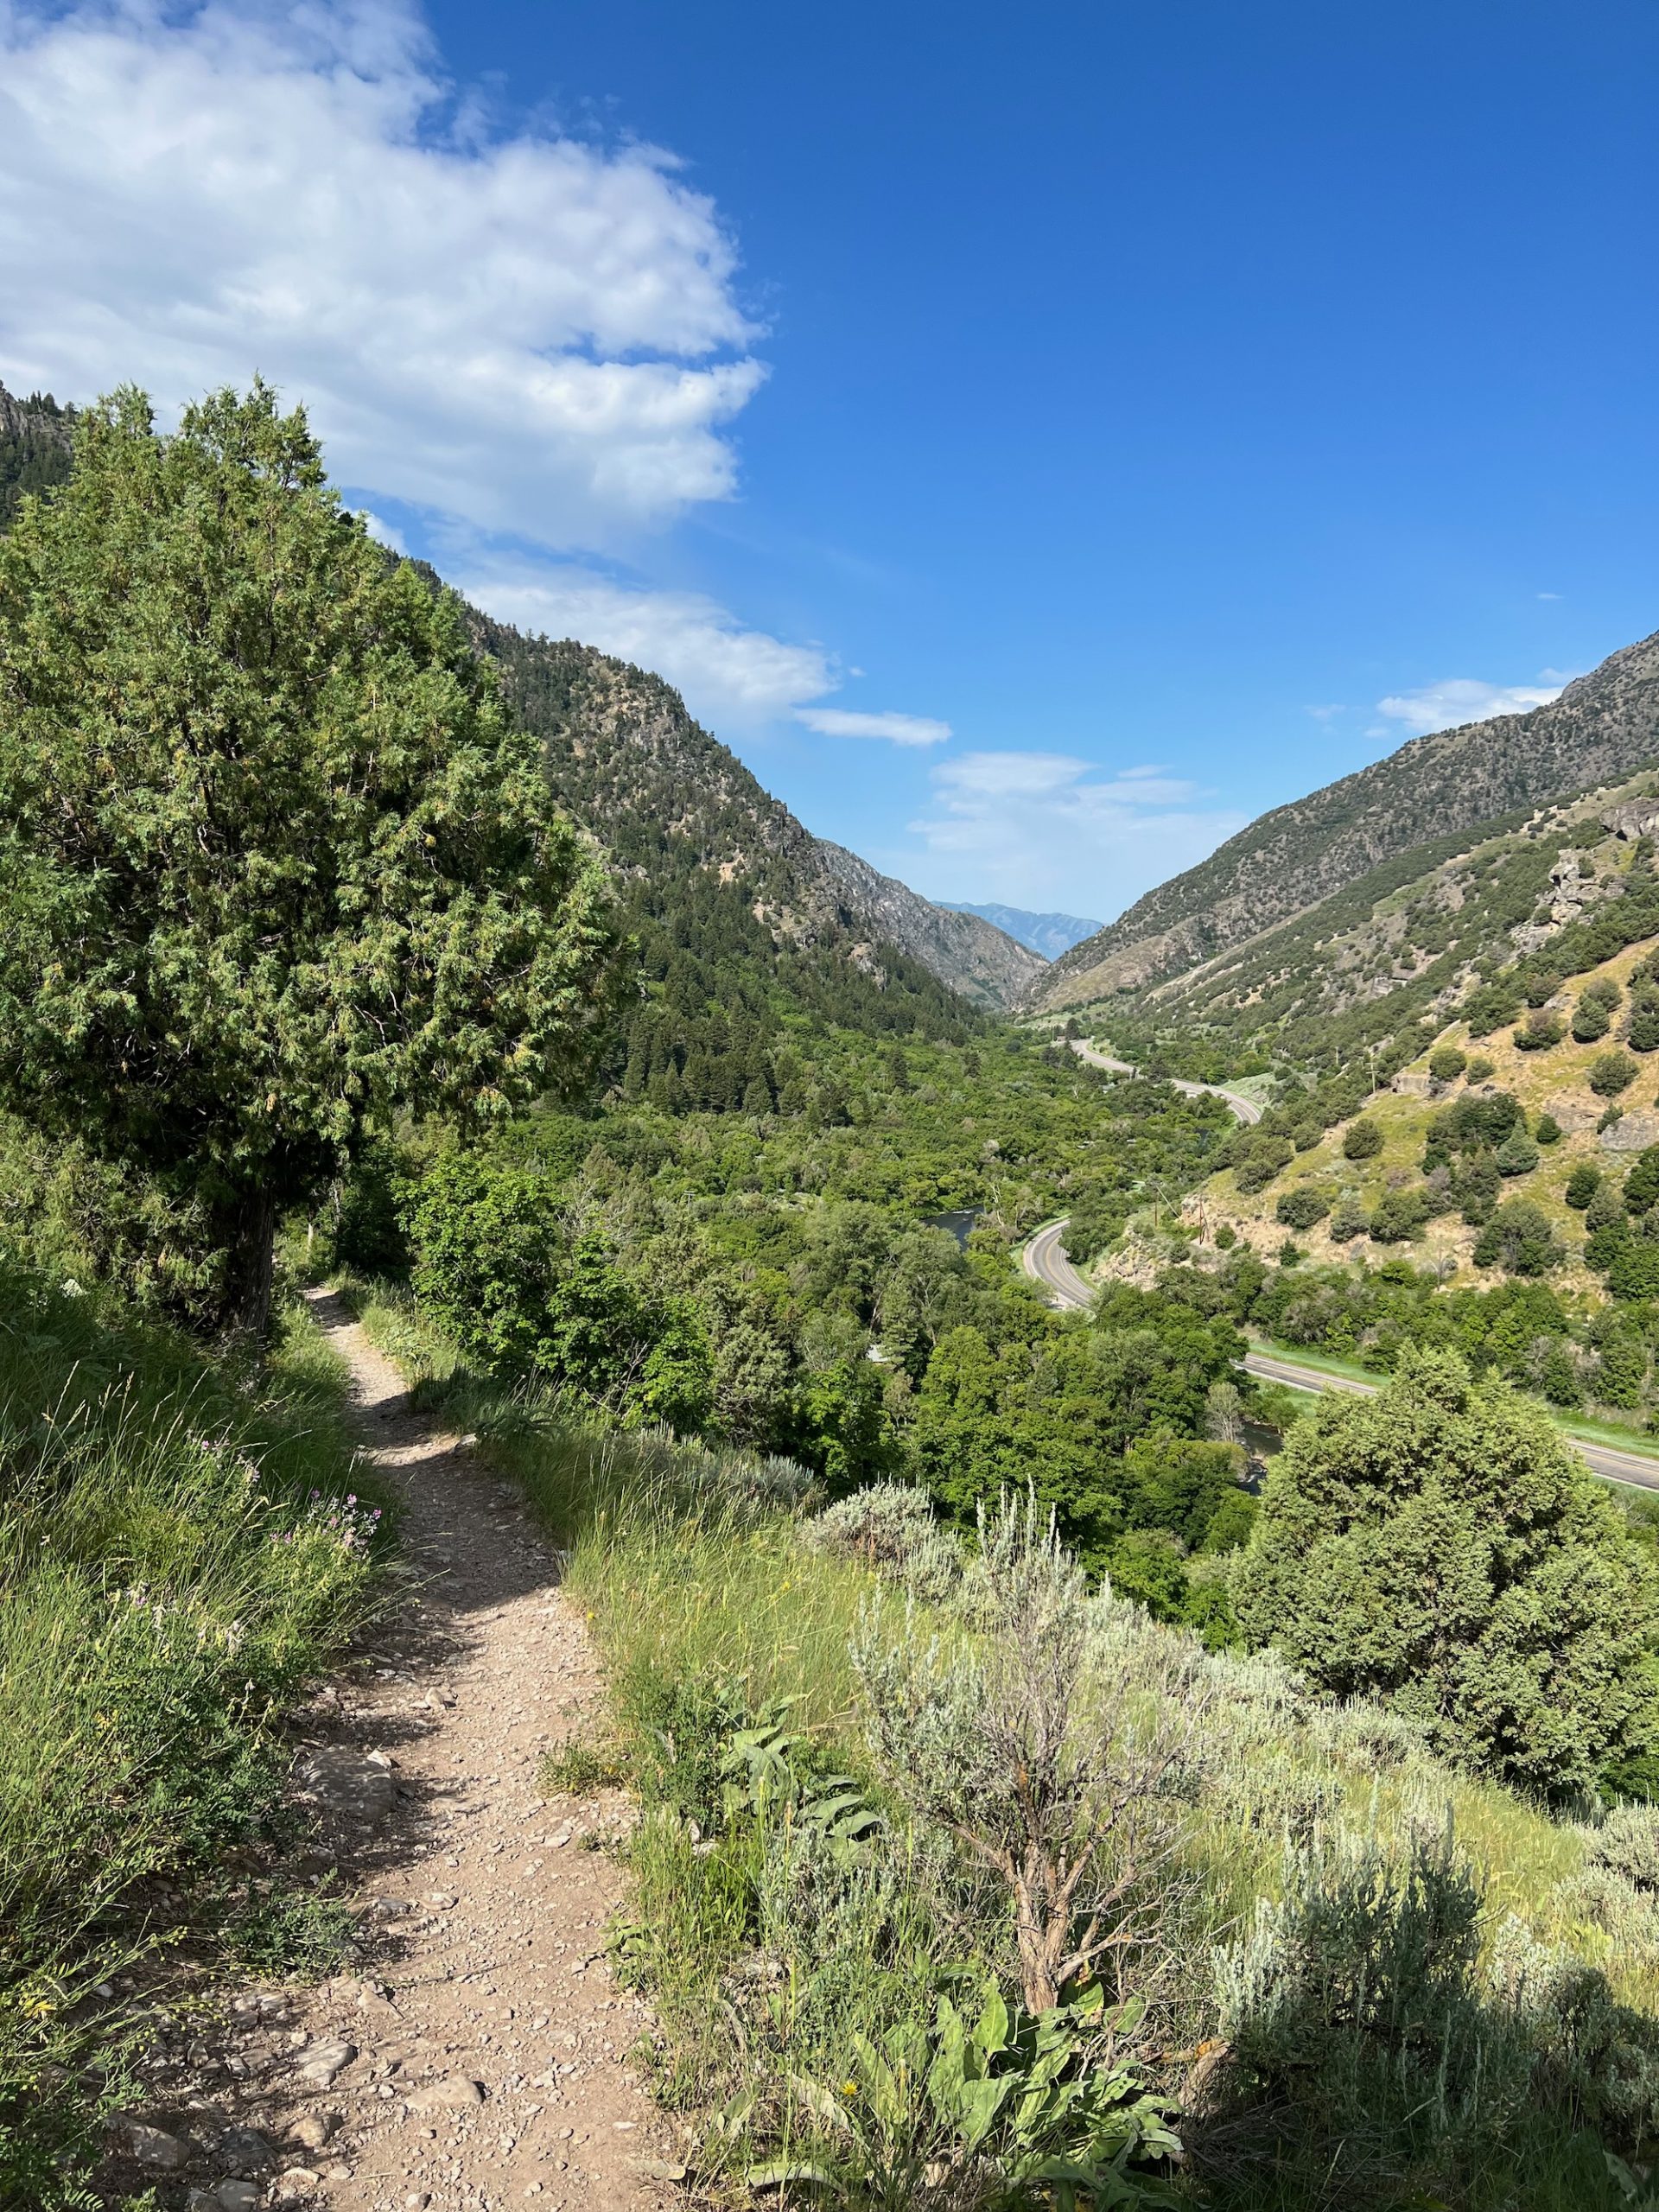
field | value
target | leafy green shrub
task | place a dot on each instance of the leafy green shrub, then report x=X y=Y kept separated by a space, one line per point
x=1362 y=1140
x=1583 y=1184
x=1610 y=1073
x=1399 y=1216
x=1627 y=1843
x=1592 y=1017
x=1307 y=1136
x=1226 y=1236
x=1439 y=1547
x=1517 y=1154
x=1349 y=1217
x=1519 y=1239
x=1446 y=1062
x=1258 y=1158
x=1605 y=1205
x=1641 y=1184
x=1481 y=1069
x=1540 y=1032
x=494 y=1268
x=1548 y=1130
x=1302 y=1207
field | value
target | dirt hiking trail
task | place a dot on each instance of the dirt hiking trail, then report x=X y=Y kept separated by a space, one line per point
x=481 y=2058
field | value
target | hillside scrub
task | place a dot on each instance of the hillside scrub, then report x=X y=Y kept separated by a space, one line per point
x=180 y=1548
x=274 y=862
x=820 y=1914
x=1438 y=1547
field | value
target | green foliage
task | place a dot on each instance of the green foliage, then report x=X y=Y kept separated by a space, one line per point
x=1583 y=1184
x=1439 y=1547
x=274 y=862
x=1446 y=1062
x=1541 y=1032
x=179 y=1551
x=1399 y=1216
x=1022 y=2101
x=1362 y=1140
x=495 y=1265
x=1517 y=1154
x=1609 y=1074
x=1519 y=1239
x=1349 y=1217
x=1302 y=1207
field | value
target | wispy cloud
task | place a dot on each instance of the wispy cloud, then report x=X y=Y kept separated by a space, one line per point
x=1041 y=829
x=1458 y=699
x=535 y=333
x=729 y=672
x=899 y=729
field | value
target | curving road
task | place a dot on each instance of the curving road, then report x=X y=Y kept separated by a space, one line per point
x=1246 y=1108
x=1044 y=1260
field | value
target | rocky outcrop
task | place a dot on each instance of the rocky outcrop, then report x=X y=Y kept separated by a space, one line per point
x=35 y=437
x=972 y=955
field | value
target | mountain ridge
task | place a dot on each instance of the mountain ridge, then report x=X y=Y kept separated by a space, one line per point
x=1603 y=727
x=1051 y=935
x=812 y=892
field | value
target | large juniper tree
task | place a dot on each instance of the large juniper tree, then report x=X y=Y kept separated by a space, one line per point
x=274 y=862
x=1440 y=1547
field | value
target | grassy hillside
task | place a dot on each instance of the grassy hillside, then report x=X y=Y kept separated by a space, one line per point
x=1603 y=728
x=175 y=1559
x=1555 y=1082
x=792 y=1916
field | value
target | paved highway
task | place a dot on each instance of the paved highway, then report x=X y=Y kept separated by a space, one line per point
x=1246 y=1108
x=1632 y=1468
x=1044 y=1260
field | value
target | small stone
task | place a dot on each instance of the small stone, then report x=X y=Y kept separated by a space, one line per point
x=312 y=2130
x=243 y=2151
x=152 y=2146
x=344 y=1780
x=339 y=2172
x=454 y=2091
x=294 y=2183
x=324 y=2062
x=236 y=2197
x=441 y=1900
x=417 y=2200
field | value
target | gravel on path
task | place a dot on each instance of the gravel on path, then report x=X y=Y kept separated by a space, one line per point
x=480 y=2059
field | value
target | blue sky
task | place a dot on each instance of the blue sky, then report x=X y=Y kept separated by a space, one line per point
x=1179 y=404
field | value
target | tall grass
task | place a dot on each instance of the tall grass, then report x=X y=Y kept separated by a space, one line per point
x=769 y=1957
x=176 y=1556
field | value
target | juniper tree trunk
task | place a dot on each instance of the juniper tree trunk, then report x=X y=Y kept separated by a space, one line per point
x=247 y=1285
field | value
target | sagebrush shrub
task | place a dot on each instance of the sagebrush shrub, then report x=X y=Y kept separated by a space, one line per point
x=892 y=1528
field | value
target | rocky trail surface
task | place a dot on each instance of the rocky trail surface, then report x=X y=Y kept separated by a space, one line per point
x=478 y=2057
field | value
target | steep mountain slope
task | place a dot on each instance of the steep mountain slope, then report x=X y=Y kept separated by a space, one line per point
x=1484 y=919
x=1603 y=727
x=1049 y=934
x=632 y=764
x=634 y=767
x=34 y=447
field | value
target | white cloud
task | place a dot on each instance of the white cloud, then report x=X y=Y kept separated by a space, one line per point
x=385 y=532
x=1549 y=594
x=729 y=674
x=1326 y=713
x=1047 y=829
x=1459 y=699
x=901 y=729
x=534 y=333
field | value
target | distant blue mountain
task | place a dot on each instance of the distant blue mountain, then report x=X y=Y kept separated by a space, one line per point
x=1049 y=934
